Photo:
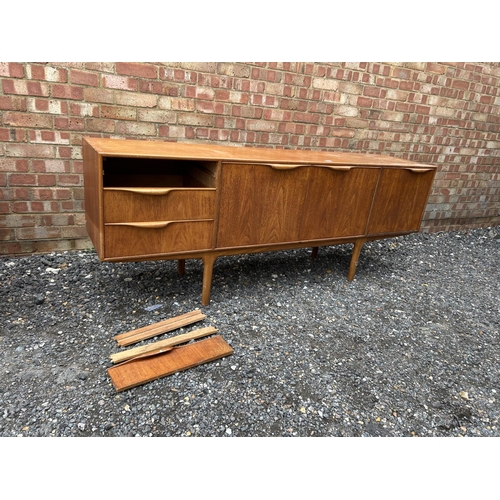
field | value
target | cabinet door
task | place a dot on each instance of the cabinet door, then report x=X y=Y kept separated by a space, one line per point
x=261 y=204
x=338 y=201
x=400 y=200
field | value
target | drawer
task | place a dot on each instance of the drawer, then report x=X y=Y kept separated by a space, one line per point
x=158 y=204
x=142 y=239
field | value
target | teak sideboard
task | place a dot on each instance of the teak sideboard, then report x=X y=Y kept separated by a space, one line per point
x=150 y=200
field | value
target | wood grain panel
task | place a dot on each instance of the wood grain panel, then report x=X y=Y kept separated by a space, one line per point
x=126 y=240
x=338 y=202
x=400 y=200
x=260 y=204
x=160 y=149
x=92 y=187
x=142 y=370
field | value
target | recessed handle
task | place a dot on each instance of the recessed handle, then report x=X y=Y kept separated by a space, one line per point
x=283 y=166
x=153 y=191
x=338 y=168
x=145 y=190
x=155 y=225
x=420 y=170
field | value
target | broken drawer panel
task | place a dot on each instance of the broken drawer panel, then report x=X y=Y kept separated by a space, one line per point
x=138 y=204
x=139 y=371
x=131 y=239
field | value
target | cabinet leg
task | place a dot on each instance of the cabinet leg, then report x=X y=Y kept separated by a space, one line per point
x=314 y=252
x=208 y=266
x=181 y=267
x=358 y=245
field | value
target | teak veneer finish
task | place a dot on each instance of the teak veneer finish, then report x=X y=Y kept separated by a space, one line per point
x=150 y=200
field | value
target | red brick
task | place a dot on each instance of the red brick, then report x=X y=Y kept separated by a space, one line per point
x=69 y=123
x=46 y=180
x=67 y=92
x=47 y=73
x=5 y=134
x=136 y=99
x=136 y=128
x=78 y=77
x=22 y=87
x=69 y=180
x=204 y=93
x=196 y=119
x=64 y=152
x=98 y=95
x=435 y=68
x=423 y=109
x=100 y=125
x=118 y=112
x=460 y=84
x=210 y=107
x=27 y=120
x=119 y=82
x=364 y=101
x=14 y=70
x=71 y=231
x=14 y=220
x=142 y=70
x=104 y=67
x=306 y=117
x=36 y=233
x=29 y=150
x=22 y=180
x=13 y=103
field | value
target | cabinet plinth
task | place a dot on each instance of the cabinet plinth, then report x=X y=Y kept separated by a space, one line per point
x=151 y=200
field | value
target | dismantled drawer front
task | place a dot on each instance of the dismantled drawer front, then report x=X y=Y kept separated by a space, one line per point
x=157 y=204
x=155 y=238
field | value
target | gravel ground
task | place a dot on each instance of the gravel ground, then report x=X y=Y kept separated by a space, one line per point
x=409 y=348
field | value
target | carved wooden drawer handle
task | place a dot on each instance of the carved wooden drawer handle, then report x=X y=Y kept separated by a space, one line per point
x=279 y=166
x=148 y=191
x=419 y=170
x=155 y=225
x=154 y=191
x=338 y=168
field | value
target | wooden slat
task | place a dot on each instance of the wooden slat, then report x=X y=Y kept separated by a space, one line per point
x=168 y=325
x=157 y=347
x=145 y=369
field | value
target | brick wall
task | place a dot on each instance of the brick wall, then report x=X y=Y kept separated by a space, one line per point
x=447 y=114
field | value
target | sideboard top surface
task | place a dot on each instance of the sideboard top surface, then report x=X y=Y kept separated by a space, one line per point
x=216 y=152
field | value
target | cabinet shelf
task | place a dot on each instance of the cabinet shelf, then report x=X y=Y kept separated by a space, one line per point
x=148 y=172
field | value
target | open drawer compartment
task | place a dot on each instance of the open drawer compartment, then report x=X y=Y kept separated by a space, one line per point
x=161 y=173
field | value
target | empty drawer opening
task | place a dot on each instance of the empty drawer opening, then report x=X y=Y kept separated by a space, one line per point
x=148 y=172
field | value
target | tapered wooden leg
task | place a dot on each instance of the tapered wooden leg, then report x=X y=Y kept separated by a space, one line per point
x=314 y=252
x=181 y=266
x=358 y=245
x=208 y=266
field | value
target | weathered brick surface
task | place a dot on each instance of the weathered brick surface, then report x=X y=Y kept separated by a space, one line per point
x=446 y=114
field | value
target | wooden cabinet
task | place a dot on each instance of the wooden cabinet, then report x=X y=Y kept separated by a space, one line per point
x=147 y=200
